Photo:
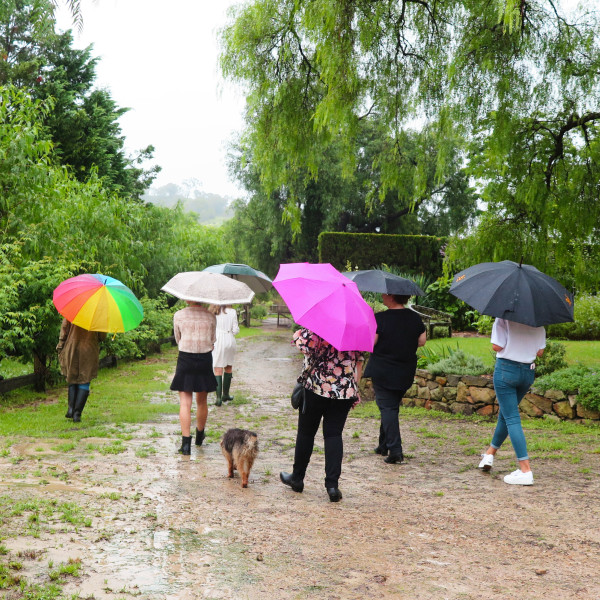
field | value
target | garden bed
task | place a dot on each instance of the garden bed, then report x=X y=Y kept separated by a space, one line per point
x=468 y=394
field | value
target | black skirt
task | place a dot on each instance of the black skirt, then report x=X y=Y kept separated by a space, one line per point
x=194 y=373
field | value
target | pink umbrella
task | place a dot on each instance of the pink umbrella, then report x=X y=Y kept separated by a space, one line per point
x=321 y=299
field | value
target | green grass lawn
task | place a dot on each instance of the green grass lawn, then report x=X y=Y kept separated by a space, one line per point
x=586 y=353
x=133 y=392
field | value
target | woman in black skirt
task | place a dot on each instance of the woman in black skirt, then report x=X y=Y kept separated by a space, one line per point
x=195 y=333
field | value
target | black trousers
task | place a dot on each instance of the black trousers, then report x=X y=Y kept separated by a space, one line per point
x=388 y=402
x=334 y=413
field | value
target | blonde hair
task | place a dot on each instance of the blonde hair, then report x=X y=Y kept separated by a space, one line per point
x=216 y=309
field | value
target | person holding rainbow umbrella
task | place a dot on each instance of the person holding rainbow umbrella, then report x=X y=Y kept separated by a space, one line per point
x=92 y=306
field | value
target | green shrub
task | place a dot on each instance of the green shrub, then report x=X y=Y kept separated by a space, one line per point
x=366 y=250
x=438 y=297
x=552 y=360
x=258 y=311
x=426 y=355
x=157 y=324
x=573 y=380
x=587 y=321
x=483 y=324
x=458 y=363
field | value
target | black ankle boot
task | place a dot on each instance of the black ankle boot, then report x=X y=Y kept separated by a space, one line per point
x=186 y=445
x=71 y=400
x=335 y=494
x=381 y=450
x=80 y=400
x=200 y=435
x=392 y=459
x=295 y=482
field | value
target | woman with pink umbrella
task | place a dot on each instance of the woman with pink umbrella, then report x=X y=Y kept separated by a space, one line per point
x=338 y=325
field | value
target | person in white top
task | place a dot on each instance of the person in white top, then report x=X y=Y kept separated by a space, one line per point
x=224 y=351
x=516 y=346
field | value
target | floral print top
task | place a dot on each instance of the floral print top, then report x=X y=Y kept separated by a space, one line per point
x=333 y=375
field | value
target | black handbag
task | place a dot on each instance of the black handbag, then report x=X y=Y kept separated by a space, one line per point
x=298 y=396
x=299 y=391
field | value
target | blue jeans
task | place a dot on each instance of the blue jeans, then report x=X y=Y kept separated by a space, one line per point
x=512 y=381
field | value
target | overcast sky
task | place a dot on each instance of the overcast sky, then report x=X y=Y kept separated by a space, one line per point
x=159 y=59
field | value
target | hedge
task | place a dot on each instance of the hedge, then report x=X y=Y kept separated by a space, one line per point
x=412 y=253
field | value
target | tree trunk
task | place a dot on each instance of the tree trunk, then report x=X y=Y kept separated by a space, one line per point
x=40 y=370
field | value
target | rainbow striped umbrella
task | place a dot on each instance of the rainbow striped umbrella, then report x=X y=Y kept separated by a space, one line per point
x=98 y=303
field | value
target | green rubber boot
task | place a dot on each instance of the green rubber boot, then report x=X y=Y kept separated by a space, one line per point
x=226 y=383
x=219 y=392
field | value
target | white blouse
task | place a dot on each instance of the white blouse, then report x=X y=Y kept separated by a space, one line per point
x=518 y=342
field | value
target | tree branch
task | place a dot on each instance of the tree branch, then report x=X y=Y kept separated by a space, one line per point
x=573 y=122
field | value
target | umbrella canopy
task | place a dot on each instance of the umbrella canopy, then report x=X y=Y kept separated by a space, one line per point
x=201 y=286
x=98 y=303
x=375 y=280
x=514 y=292
x=256 y=280
x=321 y=299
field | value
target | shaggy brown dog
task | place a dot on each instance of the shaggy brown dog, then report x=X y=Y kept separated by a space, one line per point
x=240 y=448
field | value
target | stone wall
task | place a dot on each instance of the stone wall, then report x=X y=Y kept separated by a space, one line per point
x=467 y=395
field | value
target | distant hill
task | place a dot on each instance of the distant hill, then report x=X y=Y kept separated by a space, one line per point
x=211 y=209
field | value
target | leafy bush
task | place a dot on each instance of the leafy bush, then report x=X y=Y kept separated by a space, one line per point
x=483 y=324
x=157 y=324
x=458 y=363
x=438 y=297
x=572 y=380
x=552 y=360
x=258 y=311
x=426 y=355
x=410 y=252
x=587 y=321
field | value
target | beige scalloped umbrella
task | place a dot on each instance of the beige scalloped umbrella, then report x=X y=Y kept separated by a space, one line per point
x=212 y=288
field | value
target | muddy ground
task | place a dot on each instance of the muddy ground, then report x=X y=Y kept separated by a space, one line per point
x=165 y=526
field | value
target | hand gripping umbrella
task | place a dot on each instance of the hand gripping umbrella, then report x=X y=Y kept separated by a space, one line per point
x=375 y=280
x=515 y=292
x=321 y=299
x=98 y=303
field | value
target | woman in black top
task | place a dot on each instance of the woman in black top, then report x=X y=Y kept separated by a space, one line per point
x=392 y=366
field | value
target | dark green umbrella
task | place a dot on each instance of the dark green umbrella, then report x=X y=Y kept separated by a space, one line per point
x=256 y=280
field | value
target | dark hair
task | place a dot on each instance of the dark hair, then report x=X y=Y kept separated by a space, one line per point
x=400 y=299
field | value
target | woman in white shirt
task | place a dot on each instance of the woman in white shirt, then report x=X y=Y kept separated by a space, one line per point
x=517 y=347
x=224 y=351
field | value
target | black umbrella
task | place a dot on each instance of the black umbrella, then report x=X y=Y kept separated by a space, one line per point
x=515 y=292
x=383 y=282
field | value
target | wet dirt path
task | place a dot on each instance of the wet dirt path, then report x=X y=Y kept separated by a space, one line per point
x=167 y=527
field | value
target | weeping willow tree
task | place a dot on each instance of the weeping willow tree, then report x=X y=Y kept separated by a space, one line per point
x=512 y=84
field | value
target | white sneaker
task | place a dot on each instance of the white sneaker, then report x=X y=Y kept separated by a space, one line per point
x=519 y=478
x=487 y=461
